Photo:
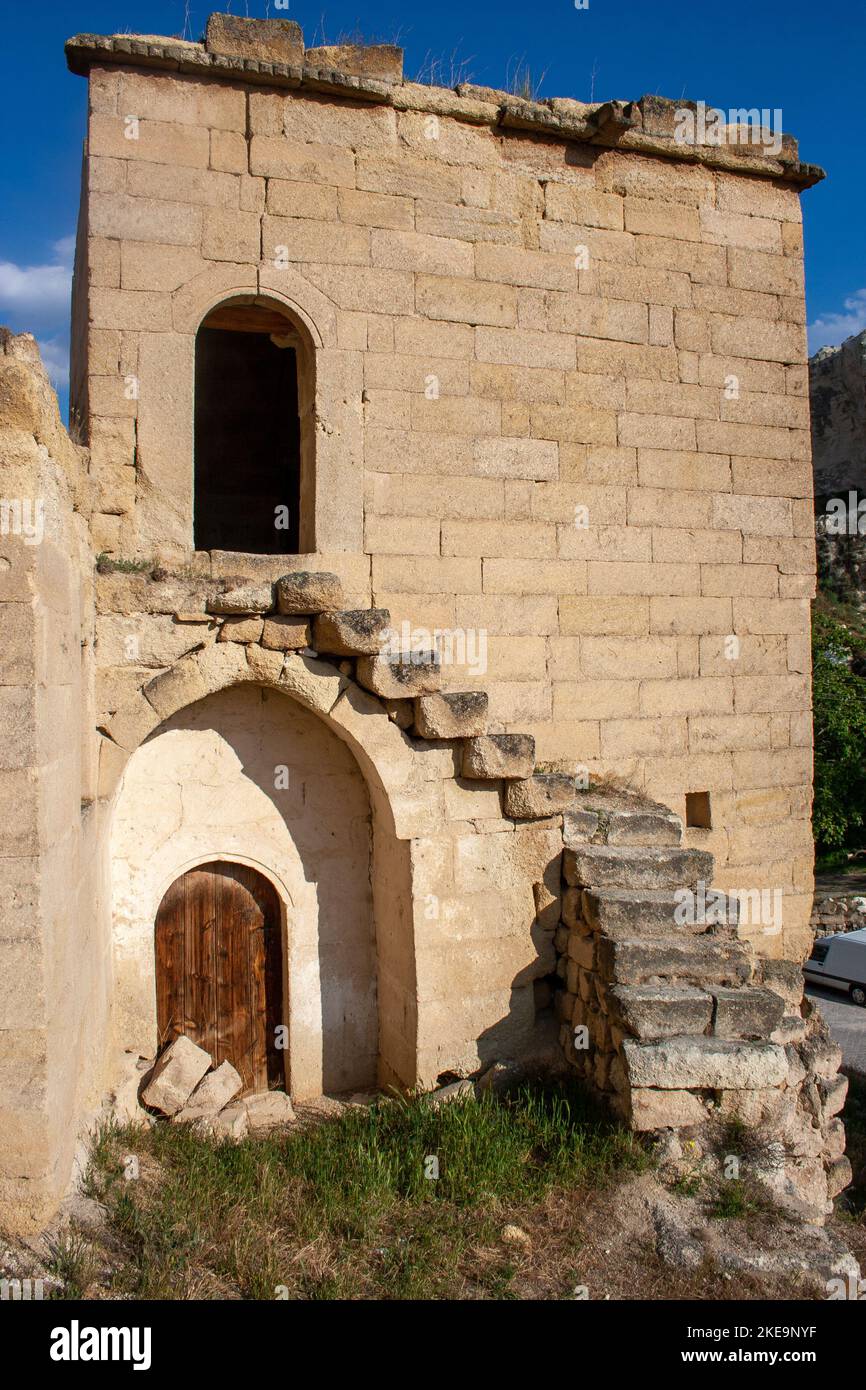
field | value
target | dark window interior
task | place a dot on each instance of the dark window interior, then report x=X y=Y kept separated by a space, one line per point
x=247 y=434
x=698 y=811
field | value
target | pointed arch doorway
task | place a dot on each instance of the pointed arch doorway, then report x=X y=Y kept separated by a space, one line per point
x=219 y=969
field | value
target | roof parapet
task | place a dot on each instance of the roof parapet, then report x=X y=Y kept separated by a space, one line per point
x=271 y=53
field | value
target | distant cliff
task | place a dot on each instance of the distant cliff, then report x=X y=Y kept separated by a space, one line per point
x=837 y=386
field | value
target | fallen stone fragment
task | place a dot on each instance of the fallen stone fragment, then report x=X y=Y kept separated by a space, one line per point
x=215 y=1091
x=174 y=1078
x=268 y=1110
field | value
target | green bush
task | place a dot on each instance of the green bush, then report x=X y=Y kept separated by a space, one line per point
x=839 y=699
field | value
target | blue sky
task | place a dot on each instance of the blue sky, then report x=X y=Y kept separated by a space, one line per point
x=806 y=58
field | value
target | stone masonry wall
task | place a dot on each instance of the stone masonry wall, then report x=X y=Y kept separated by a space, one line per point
x=574 y=374
x=54 y=937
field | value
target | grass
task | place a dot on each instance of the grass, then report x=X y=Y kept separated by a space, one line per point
x=346 y=1209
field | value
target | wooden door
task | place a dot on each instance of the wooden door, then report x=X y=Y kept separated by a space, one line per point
x=219 y=977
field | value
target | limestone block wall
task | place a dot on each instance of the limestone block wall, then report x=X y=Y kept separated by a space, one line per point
x=54 y=907
x=561 y=401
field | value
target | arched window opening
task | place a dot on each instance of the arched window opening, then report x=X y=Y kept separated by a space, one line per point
x=252 y=396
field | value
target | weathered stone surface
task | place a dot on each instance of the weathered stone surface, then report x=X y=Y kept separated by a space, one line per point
x=579 y=825
x=686 y=1063
x=305 y=592
x=400 y=677
x=267 y=40
x=499 y=755
x=241 y=629
x=657 y=1109
x=242 y=598
x=381 y=61
x=833 y=1093
x=630 y=912
x=746 y=1013
x=268 y=1110
x=661 y=1011
x=174 y=1078
x=451 y=714
x=286 y=634
x=624 y=819
x=213 y=1093
x=352 y=632
x=674 y=958
x=619 y=866
x=543 y=794
x=231 y=1123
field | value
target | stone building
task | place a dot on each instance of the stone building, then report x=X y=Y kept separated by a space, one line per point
x=417 y=619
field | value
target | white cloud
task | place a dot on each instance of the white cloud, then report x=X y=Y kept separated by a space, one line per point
x=55 y=355
x=833 y=329
x=38 y=292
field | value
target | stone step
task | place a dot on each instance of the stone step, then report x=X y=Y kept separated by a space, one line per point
x=685 y=1063
x=451 y=714
x=636 y=866
x=351 y=632
x=401 y=676
x=492 y=756
x=543 y=794
x=628 y=912
x=746 y=1013
x=653 y=960
x=660 y=1011
x=614 y=818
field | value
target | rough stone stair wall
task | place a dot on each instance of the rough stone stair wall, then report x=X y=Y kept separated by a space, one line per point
x=663 y=1010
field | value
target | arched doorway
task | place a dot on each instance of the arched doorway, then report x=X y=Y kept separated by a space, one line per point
x=219 y=969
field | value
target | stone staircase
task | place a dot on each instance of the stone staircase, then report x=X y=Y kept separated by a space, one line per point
x=662 y=1008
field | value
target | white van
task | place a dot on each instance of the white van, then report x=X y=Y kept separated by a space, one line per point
x=839 y=962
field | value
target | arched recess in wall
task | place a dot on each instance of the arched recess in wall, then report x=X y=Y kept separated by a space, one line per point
x=403 y=802
x=254 y=430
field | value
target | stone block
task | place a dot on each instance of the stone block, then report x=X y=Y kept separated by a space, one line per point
x=286 y=634
x=652 y=959
x=674 y=1064
x=352 y=632
x=213 y=1093
x=543 y=794
x=402 y=676
x=451 y=714
x=499 y=755
x=174 y=1078
x=241 y=629
x=579 y=826
x=636 y=866
x=381 y=62
x=264 y=40
x=746 y=1013
x=268 y=1110
x=625 y=913
x=651 y=1109
x=660 y=1011
x=308 y=593
x=242 y=598
x=232 y=1123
